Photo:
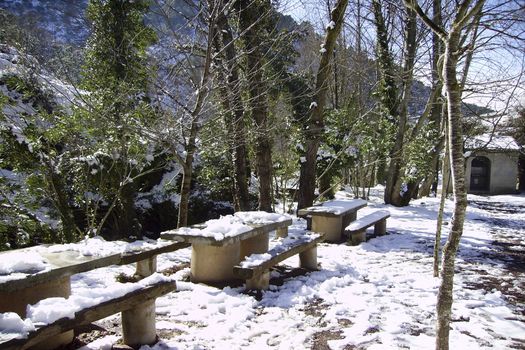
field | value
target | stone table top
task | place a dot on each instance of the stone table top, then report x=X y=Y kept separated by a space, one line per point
x=334 y=208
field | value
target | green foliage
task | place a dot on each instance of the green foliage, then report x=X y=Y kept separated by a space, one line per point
x=417 y=153
x=517 y=126
x=215 y=170
x=357 y=143
x=117 y=74
x=116 y=56
x=24 y=163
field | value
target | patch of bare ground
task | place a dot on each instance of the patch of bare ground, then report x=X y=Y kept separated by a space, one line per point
x=174 y=269
x=507 y=250
x=320 y=339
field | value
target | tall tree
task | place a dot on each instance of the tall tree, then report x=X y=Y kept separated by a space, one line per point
x=233 y=108
x=253 y=17
x=395 y=102
x=314 y=124
x=116 y=74
x=452 y=37
x=195 y=114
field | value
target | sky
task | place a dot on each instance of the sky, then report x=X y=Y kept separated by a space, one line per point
x=498 y=71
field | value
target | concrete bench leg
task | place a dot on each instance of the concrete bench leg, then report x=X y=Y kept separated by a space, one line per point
x=359 y=237
x=282 y=232
x=260 y=282
x=138 y=324
x=380 y=228
x=213 y=264
x=308 y=259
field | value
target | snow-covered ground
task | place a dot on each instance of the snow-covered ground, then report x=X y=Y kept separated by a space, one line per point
x=378 y=295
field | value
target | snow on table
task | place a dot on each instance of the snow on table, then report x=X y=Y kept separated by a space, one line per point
x=334 y=208
x=260 y=217
x=23 y=268
x=229 y=228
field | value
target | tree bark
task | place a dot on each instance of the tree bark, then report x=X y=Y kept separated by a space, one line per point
x=250 y=21
x=234 y=109
x=315 y=123
x=444 y=194
x=465 y=11
x=395 y=193
x=195 y=115
x=455 y=139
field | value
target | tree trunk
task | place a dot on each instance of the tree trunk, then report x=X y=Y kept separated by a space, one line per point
x=452 y=40
x=57 y=187
x=251 y=25
x=444 y=193
x=396 y=192
x=195 y=115
x=185 y=191
x=388 y=95
x=234 y=109
x=457 y=161
x=315 y=124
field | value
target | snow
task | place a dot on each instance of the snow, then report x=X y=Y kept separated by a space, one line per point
x=260 y=217
x=255 y=259
x=279 y=245
x=378 y=295
x=12 y=326
x=226 y=226
x=330 y=25
x=51 y=309
x=231 y=225
x=337 y=207
x=21 y=262
x=368 y=220
x=492 y=142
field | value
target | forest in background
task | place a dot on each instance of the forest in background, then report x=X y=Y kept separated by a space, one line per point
x=126 y=118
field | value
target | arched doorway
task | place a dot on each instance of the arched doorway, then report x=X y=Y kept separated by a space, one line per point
x=480 y=174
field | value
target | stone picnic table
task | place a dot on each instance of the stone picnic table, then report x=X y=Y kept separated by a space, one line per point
x=29 y=275
x=218 y=245
x=331 y=217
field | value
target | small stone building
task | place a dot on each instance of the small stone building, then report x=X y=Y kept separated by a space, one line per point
x=492 y=165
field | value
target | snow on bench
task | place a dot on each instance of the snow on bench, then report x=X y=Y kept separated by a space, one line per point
x=357 y=228
x=31 y=275
x=52 y=317
x=255 y=268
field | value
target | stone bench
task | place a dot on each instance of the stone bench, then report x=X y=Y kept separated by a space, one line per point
x=21 y=289
x=137 y=322
x=356 y=230
x=255 y=268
